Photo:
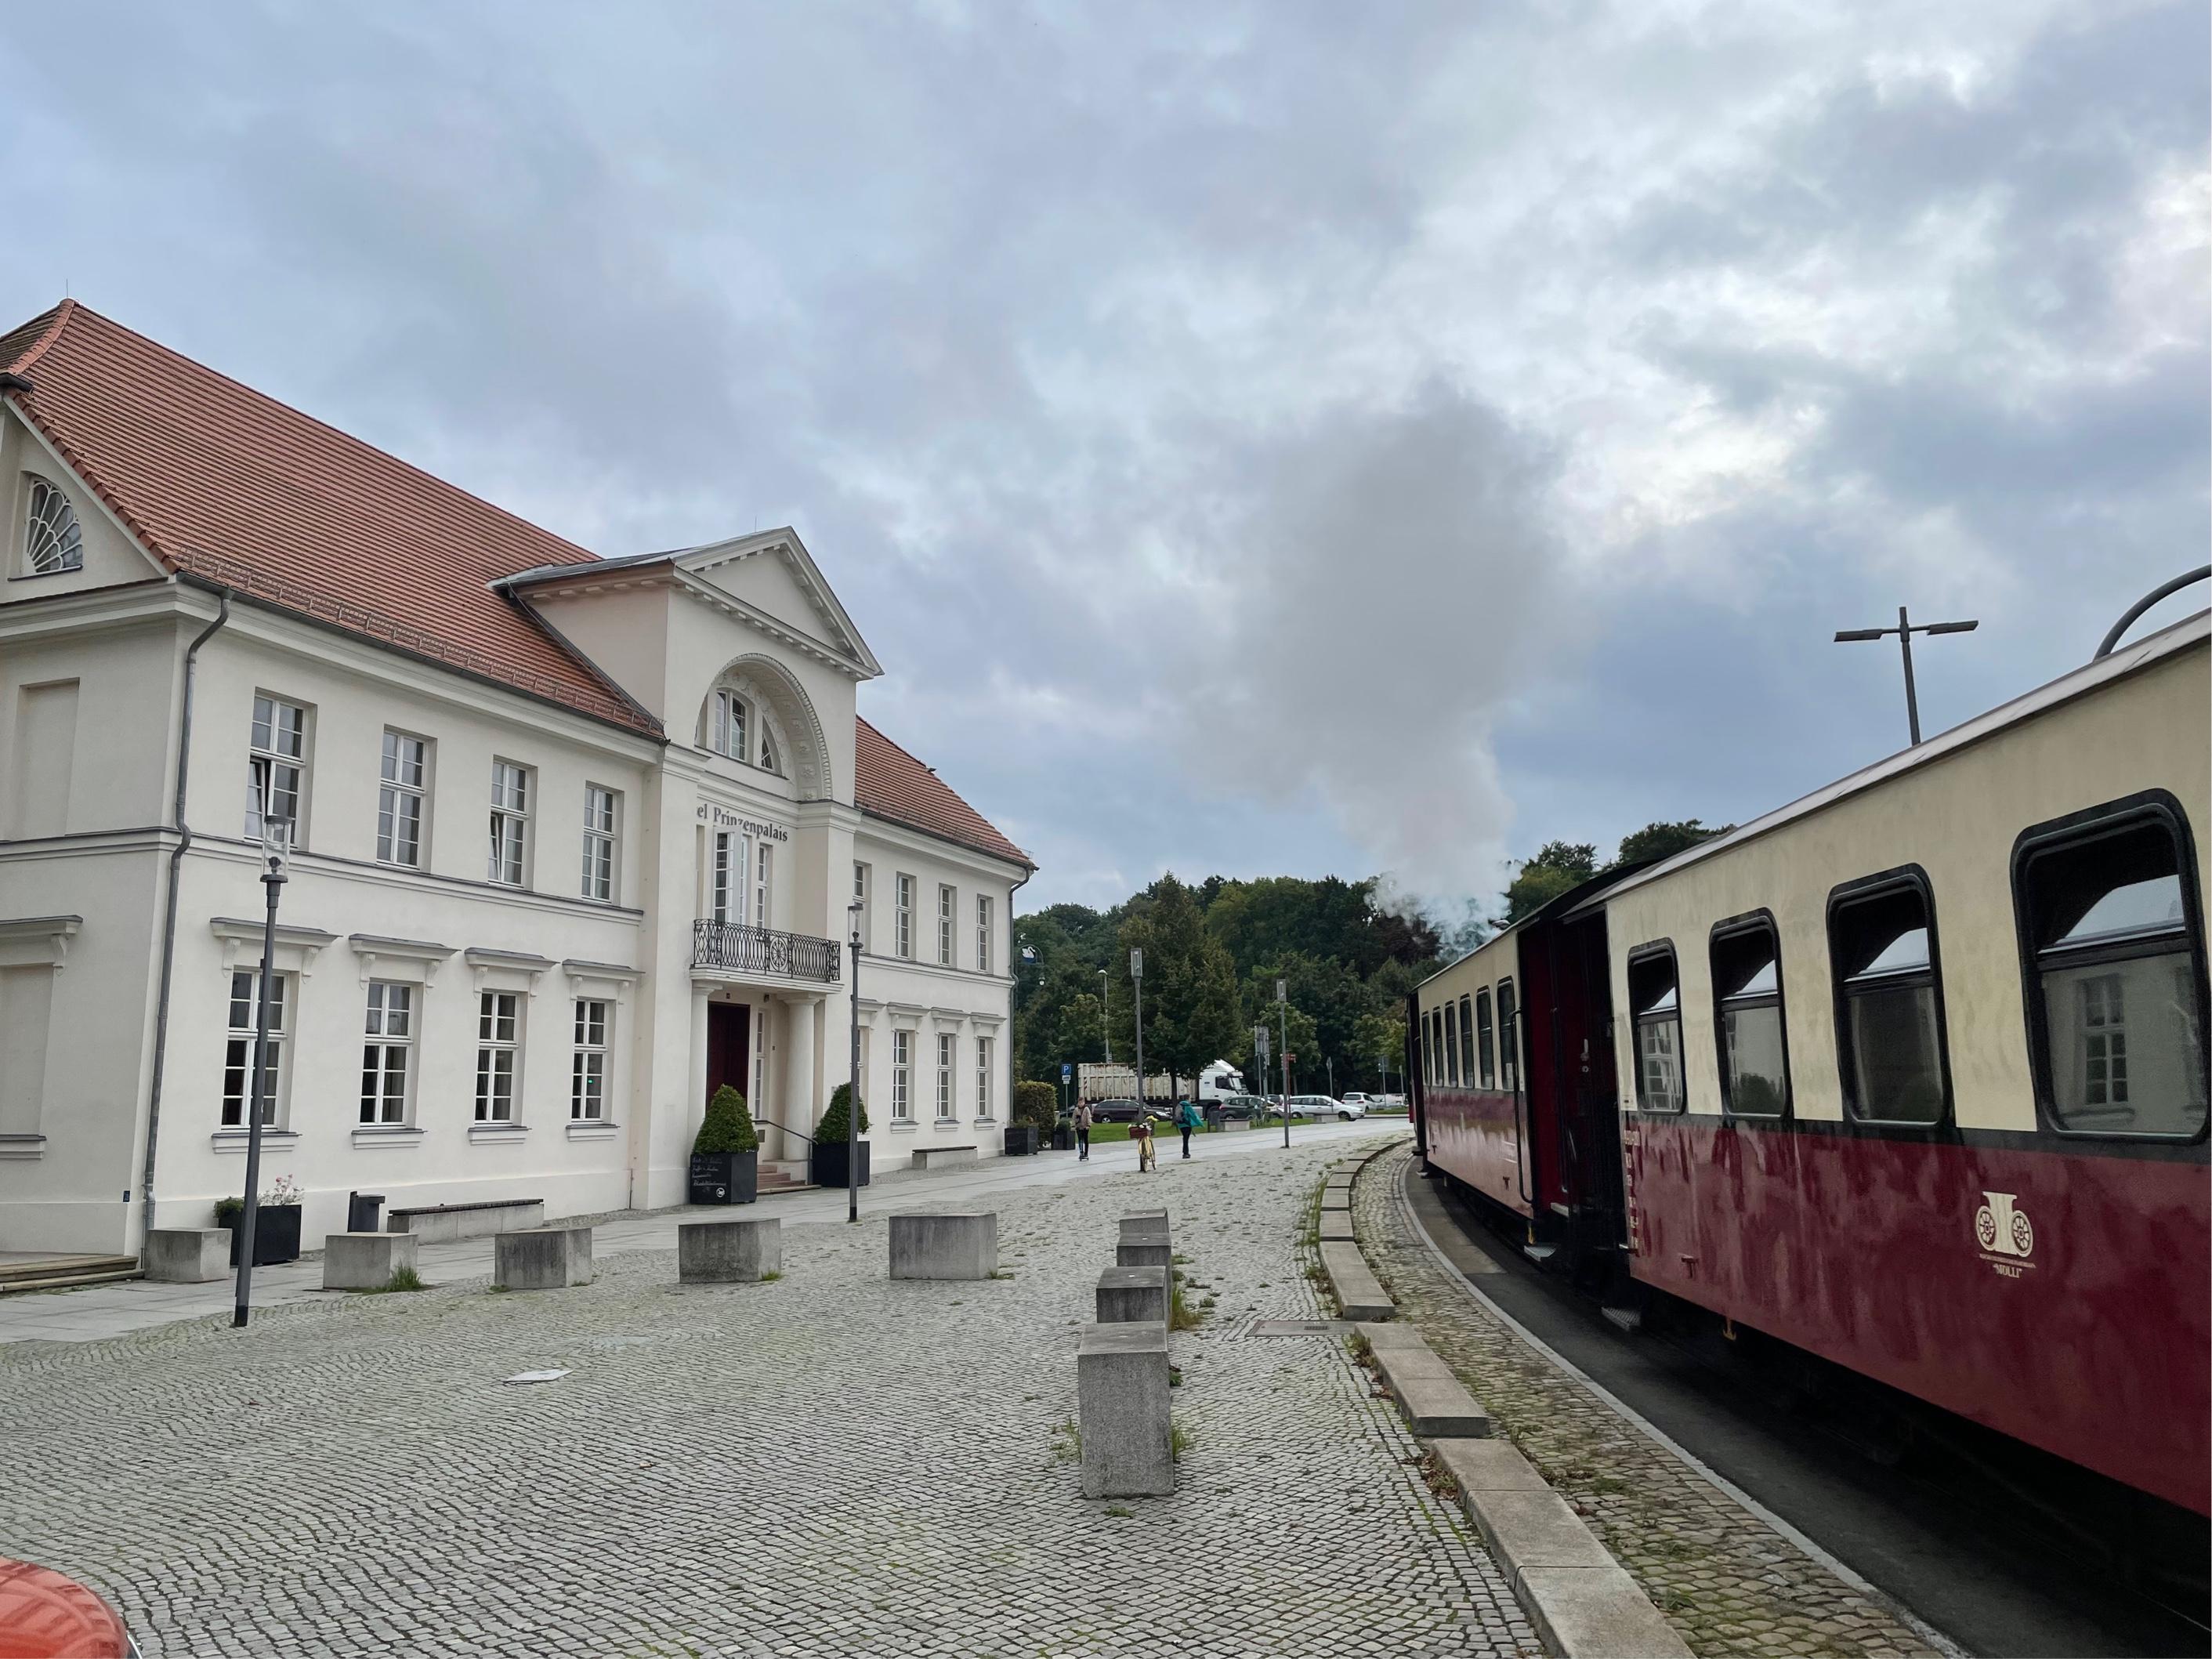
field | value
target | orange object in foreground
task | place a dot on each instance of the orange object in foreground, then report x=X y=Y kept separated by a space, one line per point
x=47 y=1616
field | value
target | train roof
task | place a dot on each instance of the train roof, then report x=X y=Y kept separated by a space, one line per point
x=2104 y=671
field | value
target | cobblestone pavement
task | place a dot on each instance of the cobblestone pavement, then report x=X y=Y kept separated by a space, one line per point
x=832 y=1463
x=1727 y=1582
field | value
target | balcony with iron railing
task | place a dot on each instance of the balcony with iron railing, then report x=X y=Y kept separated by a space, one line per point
x=763 y=952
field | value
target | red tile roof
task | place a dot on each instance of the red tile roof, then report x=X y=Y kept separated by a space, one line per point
x=221 y=482
x=218 y=481
x=892 y=784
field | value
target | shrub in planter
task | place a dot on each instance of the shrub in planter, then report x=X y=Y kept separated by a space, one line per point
x=1037 y=1104
x=827 y=1166
x=276 y=1224
x=726 y=1158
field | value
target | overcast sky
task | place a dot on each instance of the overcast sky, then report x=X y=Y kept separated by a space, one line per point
x=1256 y=437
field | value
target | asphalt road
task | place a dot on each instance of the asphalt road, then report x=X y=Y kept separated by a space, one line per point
x=1961 y=1559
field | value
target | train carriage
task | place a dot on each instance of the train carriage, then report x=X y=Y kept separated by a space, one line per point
x=1912 y=1071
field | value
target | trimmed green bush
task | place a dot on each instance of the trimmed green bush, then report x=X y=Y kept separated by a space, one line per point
x=729 y=1125
x=832 y=1127
x=1037 y=1104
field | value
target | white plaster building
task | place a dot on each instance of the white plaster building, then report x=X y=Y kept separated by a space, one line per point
x=577 y=836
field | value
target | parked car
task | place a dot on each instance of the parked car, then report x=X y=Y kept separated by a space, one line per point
x=1118 y=1111
x=1244 y=1106
x=1353 y=1097
x=45 y=1614
x=1325 y=1106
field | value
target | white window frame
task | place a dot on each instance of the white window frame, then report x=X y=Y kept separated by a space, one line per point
x=589 y=1067
x=725 y=876
x=50 y=517
x=265 y=758
x=732 y=719
x=948 y=911
x=902 y=918
x=394 y=792
x=764 y=868
x=948 y=1062
x=489 y=1046
x=602 y=843
x=232 y=1111
x=901 y=1077
x=984 y=1046
x=982 y=933
x=863 y=887
x=387 y=1054
x=512 y=784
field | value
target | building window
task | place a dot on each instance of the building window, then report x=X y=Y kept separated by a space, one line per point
x=902 y=918
x=860 y=897
x=1451 y=1043
x=982 y=933
x=763 y=857
x=2115 y=941
x=1486 y=1052
x=1509 y=1039
x=52 y=543
x=728 y=872
x=1889 y=1001
x=1655 y=997
x=947 y=902
x=902 y=1073
x=383 y=1056
x=510 y=823
x=1748 y=1009
x=237 y=1048
x=946 y=1056
x=276 y=767
x=732 y=719
x=1466 y=1041
x=587 y=1074
x=405 y=772
x=767 y=761
x=599 y=832
x=498 y=1055
x=983 y=1077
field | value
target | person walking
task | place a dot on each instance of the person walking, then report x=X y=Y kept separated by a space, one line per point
x=1143 y=1132
x=1083 y=1121
x=1187 y=1119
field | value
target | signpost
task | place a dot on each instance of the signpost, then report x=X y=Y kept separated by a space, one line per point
x=1137 y=989
x=1283 y=1016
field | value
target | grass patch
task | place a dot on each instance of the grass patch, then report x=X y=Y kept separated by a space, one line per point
x=1180 y=1440
x=771 y=1276
x=1121 y=1511
x=1175 y=1376
x=1000 y=1272
x=1438 y=1479
x=1359 y=1347
x=1181 y=1317
x=1067 y=1442
x=402 y=1278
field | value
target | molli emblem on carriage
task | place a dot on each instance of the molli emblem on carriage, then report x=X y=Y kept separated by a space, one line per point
x=2007 y=1236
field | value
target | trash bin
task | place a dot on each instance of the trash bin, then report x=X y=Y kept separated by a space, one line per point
x=364 y=1212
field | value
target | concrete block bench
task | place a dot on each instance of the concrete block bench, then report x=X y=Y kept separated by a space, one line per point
x=1336 y=1198
x=542 y=1259
x=188 y=1256
x=942 y=1157
x=1336 y=1229
x=1144 y=1250
x=1433 y=1401
x=1128 y=1294
x=1122 y=1405
x=366 y=1262
x=1145 y=1221
x=728 y=1252
x=441 y=1224
x=936 y=1244
x=1358 y=1293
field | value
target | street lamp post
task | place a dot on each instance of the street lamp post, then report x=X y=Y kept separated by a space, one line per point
x=1260 y=1060
x=1283 y=1015
x=276 y=854
x=1905 y=630
x=1105 y=998
x=852 y=1105
x=1137 y=990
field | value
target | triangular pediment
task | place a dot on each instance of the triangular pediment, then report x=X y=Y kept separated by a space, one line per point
x=770 y=578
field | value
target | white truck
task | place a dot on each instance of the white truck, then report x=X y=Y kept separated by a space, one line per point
x=1098 y=1081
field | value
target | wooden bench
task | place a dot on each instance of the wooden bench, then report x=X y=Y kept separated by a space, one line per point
x=938 y=1158
x=441 y=1224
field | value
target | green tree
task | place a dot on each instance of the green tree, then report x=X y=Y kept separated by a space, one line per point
x=1379 y=1043
x=1191 y=1016
x=1557 y=868
x=1663 y=841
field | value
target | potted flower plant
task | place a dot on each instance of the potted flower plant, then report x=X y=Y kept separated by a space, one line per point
x=1035 y=1107
x=275 y=1222
x=726 y=1158
x=827 y=1166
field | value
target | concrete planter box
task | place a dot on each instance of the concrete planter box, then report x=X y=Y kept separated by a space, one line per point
x=543 y=1259
x=725 y=1177
x=1122 y=1403
x=931 y=1244
x=728 y=1252
x=188 y=1256
x=827 y=1165
x=276 y=1235
x=1133 y=1294
x=366 y=1262
x=1021 y=1141
x=1063 y=1137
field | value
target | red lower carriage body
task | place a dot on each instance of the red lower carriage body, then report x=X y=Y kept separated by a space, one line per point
x=2061 y=1297
x=1475 y=1137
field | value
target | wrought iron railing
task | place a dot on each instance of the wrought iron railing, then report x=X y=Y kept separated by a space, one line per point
x=763 y=951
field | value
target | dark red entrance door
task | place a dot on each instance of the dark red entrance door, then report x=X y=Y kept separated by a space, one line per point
x=729 y=1033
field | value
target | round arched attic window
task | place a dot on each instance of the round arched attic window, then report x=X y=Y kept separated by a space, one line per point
x=52 y=541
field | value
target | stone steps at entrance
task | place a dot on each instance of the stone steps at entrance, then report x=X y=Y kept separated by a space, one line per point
x=54 y=1272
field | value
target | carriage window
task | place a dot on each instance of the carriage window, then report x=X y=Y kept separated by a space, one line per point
x=1466 y=1041
x=1657 y=1000
x=2117 y=950
x=1452 y=1044
x=1509 y=1039
x=1889 y=1026
x=1748 y=992
x=1486 y=1052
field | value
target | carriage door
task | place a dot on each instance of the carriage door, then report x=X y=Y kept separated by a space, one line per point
x=1602 y=1223
x=729 y=1031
